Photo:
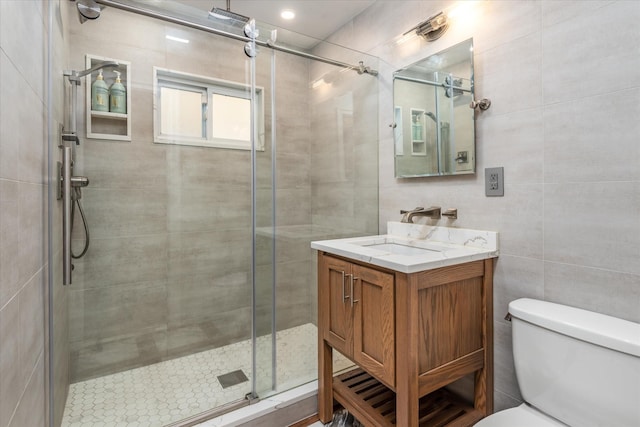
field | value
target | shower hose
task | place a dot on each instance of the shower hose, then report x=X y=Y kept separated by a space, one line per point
x=77 y=195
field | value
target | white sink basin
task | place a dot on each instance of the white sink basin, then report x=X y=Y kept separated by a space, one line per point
x=410 y=248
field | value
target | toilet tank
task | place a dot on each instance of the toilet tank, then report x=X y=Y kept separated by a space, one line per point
x=580 y=367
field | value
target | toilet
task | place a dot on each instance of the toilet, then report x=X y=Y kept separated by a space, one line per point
x=574 y=368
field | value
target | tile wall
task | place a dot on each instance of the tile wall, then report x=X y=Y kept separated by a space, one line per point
x=565 y=89
x=23 y=213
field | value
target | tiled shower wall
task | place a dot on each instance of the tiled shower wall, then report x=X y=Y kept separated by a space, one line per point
x=565 y=89
x=344 y=158
x=23 y=200
x=168 y=272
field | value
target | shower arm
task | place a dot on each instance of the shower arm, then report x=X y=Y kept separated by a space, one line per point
x=75 y=78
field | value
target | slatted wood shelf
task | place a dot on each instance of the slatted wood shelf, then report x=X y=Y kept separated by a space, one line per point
x=373 y=404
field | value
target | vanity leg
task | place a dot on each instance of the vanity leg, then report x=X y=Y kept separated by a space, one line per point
x=484 y=377
x=407 y=399
x=325 y=381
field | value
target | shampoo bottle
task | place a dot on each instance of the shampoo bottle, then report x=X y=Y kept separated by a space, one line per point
x=118 y=96
x=99 y=94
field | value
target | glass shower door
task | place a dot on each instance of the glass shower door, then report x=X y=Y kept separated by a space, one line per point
x=158 y=320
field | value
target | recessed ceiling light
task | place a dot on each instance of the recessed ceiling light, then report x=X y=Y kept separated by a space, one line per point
x=287 y=14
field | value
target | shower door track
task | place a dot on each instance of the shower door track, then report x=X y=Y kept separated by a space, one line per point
x=194 y=420
x=361 y=69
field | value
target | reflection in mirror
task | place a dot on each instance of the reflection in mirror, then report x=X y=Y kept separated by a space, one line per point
x=433 y=123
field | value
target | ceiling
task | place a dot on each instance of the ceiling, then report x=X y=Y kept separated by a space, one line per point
x=315 y=18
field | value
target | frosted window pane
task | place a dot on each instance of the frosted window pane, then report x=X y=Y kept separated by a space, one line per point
x=181 y=112
x=231 y=117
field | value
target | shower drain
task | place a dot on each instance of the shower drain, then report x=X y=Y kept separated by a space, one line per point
x=232 y=378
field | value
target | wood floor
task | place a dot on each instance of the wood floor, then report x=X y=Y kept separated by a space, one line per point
x=306 y=422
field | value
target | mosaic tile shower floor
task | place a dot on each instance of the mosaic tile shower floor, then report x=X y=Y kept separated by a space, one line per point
x=160 y=394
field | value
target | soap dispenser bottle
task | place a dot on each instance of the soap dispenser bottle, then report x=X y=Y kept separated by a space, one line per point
x=99 y=94
x=118 y=96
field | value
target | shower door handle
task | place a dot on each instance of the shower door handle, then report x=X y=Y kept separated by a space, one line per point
x=66 y=215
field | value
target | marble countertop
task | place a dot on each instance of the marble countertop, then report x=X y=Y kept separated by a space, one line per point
x=410 y=248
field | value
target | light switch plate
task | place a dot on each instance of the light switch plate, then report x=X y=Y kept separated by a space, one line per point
x=494 y=182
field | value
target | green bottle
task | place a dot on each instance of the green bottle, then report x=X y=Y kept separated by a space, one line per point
x=99 y=94
x=118 y=96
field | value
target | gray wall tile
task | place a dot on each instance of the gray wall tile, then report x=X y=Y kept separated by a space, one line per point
x=120 y=260
x=603 y=127
x=32 y=323
x=513 y=278
x=513 y=139
x=10 y=233
x=504 y=368
x=12 y=382
x=610 y=292
x=577 y=232
x=31 y=409
x=575 y=66
x=23 y=195
x=498 y=70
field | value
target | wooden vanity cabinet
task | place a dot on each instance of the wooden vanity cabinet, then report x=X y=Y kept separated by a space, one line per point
x=410 y=335
x=359 y=316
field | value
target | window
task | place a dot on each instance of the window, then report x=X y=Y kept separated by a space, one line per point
x=202 y=111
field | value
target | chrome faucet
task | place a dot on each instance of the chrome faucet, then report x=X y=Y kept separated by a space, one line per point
x=434 y=212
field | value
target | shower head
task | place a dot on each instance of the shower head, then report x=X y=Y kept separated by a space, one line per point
x=88 y=9
x=217 y=13
x=227 y=15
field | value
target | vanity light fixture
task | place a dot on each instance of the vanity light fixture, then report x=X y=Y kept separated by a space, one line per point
x=432 y=28
x=463 y=13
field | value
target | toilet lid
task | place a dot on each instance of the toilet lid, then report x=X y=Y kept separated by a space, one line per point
x=522 y=416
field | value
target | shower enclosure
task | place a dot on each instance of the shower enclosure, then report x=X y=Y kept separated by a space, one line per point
x=198 y=292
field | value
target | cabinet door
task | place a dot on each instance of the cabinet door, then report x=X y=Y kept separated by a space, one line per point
x=374 y=323
x=338 y=319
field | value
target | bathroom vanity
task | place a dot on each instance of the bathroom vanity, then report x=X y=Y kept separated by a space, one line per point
x=413 y=309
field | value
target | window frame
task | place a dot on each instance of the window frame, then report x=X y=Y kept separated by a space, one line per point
x=163 y=77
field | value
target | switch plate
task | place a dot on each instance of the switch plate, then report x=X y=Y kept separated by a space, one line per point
x=494 y=182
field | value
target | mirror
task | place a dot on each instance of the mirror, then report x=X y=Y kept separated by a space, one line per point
x=433 y=125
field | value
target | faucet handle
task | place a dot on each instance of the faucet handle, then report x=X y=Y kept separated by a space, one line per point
x=451 y=213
